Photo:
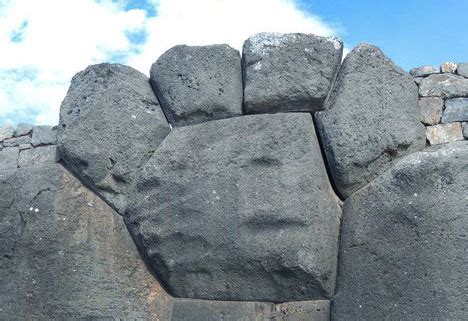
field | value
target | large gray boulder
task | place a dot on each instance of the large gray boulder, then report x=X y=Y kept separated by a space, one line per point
x=110 y=124
x=66 y=255
x=239 y=209
x=371 y=118
x=288 y=72
x=403 y=252
x=198 y=83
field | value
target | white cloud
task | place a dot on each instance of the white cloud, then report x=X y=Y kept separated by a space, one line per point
x=44 y=43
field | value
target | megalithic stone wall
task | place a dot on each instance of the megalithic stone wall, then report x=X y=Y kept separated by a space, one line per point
x=280 y=184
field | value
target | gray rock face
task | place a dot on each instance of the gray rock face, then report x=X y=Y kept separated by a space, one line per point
x=462 y=69
x=239 y=209
x=403 y=241
x=16 y=141
x=371 y=118
x=8 y=158
x=108 y=154
x=424 y=71
x=44 y=135
x=38 y=155
x=456 y=109
x=204 y=310
x=465 y=130
x=448 y=67
x=198 y=83
x=444 y=85
x=23 y=129
x=431 y=109
x=288 y=72
x=444 y=133
x=66 y=255
x=6 y=131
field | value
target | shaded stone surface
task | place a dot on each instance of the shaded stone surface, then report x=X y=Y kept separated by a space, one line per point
x=444 y=133
x=239 y=209
x=23 y=129
x=371 y=118
x=424 y=71
x=6 y=131
x=462 y=69
x=198 y=83
x=465 y=130
x=66 y=255
x=444 y=85
x=16 y=141
x=107 y=155
x=8 y=158
x=44 y=135
x=38 y=155
x=204 y=310
x=403 y=241
x=288 y=72
x=456 y=109
x=431 y=109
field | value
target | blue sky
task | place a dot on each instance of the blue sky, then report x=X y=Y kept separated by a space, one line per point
x=44 y=43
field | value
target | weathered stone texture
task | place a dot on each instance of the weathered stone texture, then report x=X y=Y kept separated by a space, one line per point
x=448 y=67
x=8 y=159
x=456 y=109
x=288 y=72
x=444 y=85
x=403 y=241
x=44 y=135
x=424 y=71
x=462 y=70
x=66 y=255
x=198 y=83
x=444 y=133
x=6 y=131
x=38 y=155
x=239 y=209
x=16 y=141
x=370 y=120
x=23 y=129
x=431 y=109
x=108 y=154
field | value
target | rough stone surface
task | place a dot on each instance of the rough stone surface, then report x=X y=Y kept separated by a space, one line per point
x=448 y=67
x=403 y=242
x=288 y=72
x=66 y=255
x=462 y=69
x=417 y=80
x=8 y=159
x=370 y=120
x=44 y=135
x=198 y=83
x=38 y=155
x=23 y=129
x=444 y=85
x=6 y=131
x=465 y=130
x=424 y=71
x=444 y=133
x=431 y=109
x=239 y=209
x=107 y=155
x=204 y=310
x=16 y=141
x=456 y=109
x=24 y=146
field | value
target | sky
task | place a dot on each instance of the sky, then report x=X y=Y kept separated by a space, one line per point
x=44 y=43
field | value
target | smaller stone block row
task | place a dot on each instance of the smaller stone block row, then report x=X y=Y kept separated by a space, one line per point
x=443 y=101
x=277 y=73
x=204 y=310
x=26 y=134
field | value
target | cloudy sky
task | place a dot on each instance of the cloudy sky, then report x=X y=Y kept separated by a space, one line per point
x=44 y=43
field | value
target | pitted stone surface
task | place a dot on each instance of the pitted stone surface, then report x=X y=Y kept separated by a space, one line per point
x=431 y=109
x=110 y=124
x=239 y=209
x=424 y=71
x=462 y=69
x=44 y=135
x=456 y=109
x=38 y=155
x=23 y=129
x=444 y=133
x=370 y=120
x=198 y=83
x=403 y=241
x=444 y=85
x=66 y=255
x=6 y=131
x=8 y=158
x=288 y=72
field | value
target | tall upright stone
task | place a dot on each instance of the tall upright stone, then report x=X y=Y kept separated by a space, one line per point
x=403 y=251
x=370 y=119
x=288 y=72
x=110 y=124
x=66 y=255
x=198 y=83
x=239 y=209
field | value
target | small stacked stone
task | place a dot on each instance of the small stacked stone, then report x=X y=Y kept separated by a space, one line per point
x=443 y=101
x=27 y=145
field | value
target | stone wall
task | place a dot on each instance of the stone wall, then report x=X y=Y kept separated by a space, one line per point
x=277 y=184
